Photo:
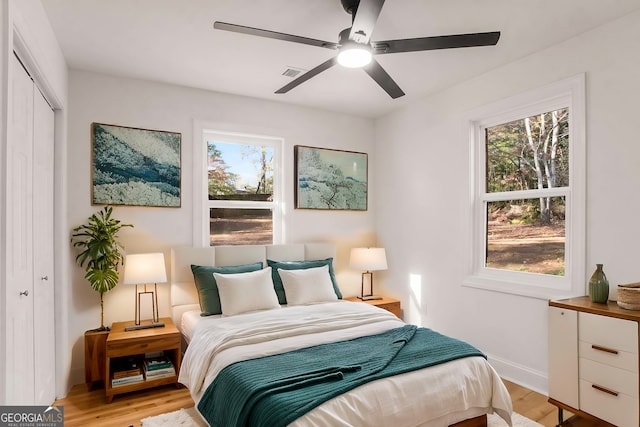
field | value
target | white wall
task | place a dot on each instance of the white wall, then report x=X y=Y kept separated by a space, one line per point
x=127 y=102
x=422 y=196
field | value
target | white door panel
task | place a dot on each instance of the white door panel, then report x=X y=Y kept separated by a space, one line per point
x=43 y=283
x=20 y=375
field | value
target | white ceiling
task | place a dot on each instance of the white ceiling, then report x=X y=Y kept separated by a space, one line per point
x=173 y=41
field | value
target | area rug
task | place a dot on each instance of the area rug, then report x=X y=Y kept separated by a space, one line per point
x=190 y=418
x=494 y=420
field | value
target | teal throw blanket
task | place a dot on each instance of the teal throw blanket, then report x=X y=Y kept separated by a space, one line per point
x=276 y=390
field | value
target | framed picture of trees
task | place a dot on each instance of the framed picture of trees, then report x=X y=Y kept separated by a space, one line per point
x=135 y=167
x=330 y=179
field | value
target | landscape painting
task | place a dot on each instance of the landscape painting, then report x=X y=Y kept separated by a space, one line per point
x=330 y=179
x=135 y=167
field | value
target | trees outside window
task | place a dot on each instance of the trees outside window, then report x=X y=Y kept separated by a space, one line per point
x=525 y=155
x=242 y=200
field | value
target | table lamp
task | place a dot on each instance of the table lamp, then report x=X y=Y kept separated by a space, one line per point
x=368 y=259
x=145 y=269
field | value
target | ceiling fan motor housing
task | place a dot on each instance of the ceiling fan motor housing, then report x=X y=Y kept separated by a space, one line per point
x=350 y=6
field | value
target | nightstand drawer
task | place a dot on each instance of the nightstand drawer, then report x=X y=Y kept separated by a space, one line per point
x=621 y=410
x=614 y=379
x=608 y=332
x=140 y=346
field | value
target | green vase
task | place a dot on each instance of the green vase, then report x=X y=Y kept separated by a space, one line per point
x=599 y=286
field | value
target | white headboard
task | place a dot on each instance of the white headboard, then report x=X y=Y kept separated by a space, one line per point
x=184 y=295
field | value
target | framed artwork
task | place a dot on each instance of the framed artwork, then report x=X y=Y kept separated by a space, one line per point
x=135 y=167
x=330 y=179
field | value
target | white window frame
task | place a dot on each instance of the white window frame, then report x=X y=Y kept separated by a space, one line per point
x=201 y=202
x=566 y=93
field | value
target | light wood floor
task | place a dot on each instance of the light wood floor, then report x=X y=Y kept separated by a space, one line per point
x=89 y=408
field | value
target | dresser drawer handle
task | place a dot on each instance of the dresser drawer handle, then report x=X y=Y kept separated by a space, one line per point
x=605 y=390
x=605 y=349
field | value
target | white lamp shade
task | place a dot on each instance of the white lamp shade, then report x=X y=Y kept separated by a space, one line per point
x=369 y=259
x=141 y=269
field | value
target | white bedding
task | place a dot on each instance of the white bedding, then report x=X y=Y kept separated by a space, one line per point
x=435 y=396
x=189 y=321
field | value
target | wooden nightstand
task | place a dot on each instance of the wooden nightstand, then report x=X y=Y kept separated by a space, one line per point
x=123 y=344
x=389 y=304
x=95 y=344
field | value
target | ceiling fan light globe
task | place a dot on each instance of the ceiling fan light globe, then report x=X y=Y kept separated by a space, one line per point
x=354 y=56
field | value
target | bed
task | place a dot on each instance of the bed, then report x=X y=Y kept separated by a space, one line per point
x=457 y=392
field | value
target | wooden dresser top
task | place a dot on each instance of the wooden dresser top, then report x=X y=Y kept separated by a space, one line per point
x=585 y=304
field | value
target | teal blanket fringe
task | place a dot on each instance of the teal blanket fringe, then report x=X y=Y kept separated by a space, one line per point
x=275 y=390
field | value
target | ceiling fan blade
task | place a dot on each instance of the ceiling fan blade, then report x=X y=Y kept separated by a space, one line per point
x=308 y=75
x=377 y=73
x=364 y=20
x=273 y=35
x=437 y=42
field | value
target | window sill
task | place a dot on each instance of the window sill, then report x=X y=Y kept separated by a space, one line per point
x=518 y=288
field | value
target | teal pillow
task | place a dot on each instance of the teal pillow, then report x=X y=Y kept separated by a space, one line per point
x=208 y=288
x=299 y=265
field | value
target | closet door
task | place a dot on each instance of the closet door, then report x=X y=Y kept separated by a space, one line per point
x=20 y=373
x=43 y=296
x=30 y=361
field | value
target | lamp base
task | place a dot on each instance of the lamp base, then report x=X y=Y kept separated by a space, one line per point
x=370 y=297
x=144 y=326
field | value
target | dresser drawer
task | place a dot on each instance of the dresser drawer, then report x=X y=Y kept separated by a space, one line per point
x=617 y=358
x=608 y=332
x=621 y=410
x=614 y=379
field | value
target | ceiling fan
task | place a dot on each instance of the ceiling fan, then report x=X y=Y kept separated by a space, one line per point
x=355 y=48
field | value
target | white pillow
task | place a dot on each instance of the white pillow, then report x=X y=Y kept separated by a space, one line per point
x=244 y=292
x=307 y=285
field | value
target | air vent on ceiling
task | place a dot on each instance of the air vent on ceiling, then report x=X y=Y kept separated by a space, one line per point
x=292 y=72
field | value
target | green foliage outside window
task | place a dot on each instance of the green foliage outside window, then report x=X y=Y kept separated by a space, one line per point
x=530 y=153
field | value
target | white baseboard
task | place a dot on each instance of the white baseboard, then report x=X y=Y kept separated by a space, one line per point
x=521 y=375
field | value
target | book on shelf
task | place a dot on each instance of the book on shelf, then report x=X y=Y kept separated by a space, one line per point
x=156 y=363
x=115 y=382
x=126 y=367
x=127 y=373
x=160 y=373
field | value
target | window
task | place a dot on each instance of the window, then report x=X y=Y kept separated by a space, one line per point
x=240 y=183
x=528 y=193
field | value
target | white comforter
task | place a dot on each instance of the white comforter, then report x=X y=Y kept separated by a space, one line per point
x=437 y=396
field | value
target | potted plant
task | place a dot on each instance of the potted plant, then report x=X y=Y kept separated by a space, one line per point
x=101 y=252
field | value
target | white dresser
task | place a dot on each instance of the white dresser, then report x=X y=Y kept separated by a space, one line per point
x=593 y=360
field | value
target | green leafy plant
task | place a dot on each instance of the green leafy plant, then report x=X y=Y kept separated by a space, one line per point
x=101 y=252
